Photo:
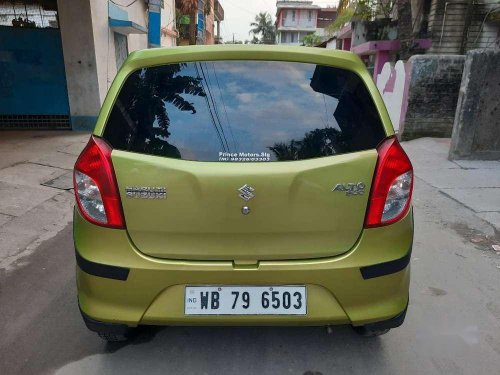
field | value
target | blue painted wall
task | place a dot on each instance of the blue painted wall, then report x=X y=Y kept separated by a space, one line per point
x=201 y=22
x=154 y=29
x=32 y=77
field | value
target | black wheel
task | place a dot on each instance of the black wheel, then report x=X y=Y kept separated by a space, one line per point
x=368 y=332
x=114 y=337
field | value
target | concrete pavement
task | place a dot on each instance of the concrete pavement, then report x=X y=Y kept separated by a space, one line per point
x=35 y=178
x=473 y=183
x=452 y=326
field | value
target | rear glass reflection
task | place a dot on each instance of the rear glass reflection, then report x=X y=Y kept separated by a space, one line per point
x=243 y=111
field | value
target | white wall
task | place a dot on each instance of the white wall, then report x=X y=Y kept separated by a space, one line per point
x=304 y=18
x=104 y=40
x=301 y=18
x=79 y=61
x=332 y=44
x=391 y=84
x=138 y=13
x=286 y=37
x=89 y=53
x=168 y=22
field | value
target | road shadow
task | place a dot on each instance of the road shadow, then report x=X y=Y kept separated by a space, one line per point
x=238 y=350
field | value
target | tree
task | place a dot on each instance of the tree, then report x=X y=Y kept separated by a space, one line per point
x=146 y=93
x=190 y=8
x=264 y=27
x=344 y=17
x=255 y=40
x=312 y=40
x=316 y=143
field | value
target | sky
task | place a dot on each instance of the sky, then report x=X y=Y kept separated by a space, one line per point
x=239 y=13
x=288 y=105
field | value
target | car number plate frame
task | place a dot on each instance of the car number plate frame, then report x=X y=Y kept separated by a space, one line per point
x=245 y=300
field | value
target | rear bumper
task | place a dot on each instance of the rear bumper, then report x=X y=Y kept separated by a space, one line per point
x=117 y=284
x=121 y=329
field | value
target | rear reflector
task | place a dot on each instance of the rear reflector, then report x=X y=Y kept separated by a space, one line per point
x=392 y=185
x=95 y=185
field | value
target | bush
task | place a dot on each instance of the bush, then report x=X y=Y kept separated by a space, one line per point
x=312 y=40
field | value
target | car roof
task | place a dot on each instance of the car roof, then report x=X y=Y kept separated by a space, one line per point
x=172 y=55
x=159 y=56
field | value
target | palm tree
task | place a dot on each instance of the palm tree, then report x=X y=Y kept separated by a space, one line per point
x=264 y=27
x=284 y=151
x=190 y=8
x=145 y=95
x=316 y=143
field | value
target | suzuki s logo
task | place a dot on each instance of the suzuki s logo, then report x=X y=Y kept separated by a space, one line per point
x=352 y=188
x=246 y=192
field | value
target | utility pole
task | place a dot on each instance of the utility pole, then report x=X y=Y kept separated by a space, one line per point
x=468 y=21
x=405 y=29
x=233 y=38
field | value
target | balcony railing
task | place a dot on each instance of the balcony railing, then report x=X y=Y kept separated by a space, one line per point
x=218 y=11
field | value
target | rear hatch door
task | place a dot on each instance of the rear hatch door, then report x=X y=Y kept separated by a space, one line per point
x=293 y=211
x=258 y=159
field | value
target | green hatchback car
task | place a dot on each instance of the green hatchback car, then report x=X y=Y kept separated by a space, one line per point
x=243 y=185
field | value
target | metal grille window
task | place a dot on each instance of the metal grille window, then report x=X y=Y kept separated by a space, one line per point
x=29 y=14
x=121 y=49
x=13 y=122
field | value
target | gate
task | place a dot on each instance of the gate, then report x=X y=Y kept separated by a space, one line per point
x=33 y=91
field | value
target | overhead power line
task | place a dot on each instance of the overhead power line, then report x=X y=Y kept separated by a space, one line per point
x=208 y=83
x=224 y=106
x=209 y=108
x=123 y=5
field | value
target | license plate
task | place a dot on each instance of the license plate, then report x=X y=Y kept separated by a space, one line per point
x=245 y=300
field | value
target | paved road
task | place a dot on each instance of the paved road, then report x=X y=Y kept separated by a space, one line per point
x=453 y=324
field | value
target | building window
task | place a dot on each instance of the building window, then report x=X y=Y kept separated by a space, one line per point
x=310 y=15
x=293 y=15
x=121 y=49
x=283 y=18
x=29 y=14
x=292 y=37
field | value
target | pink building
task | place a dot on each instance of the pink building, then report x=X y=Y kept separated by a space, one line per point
x=295 y=20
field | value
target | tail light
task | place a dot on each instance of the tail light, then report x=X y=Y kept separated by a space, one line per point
x=95 y=185
x=392 y=185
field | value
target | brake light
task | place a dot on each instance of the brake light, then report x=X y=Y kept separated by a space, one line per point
x=96 y=190
x=392 y=185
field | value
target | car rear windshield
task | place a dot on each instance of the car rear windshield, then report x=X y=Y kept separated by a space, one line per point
x=243 y=111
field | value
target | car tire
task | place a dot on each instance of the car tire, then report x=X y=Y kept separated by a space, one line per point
x=368 y=332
